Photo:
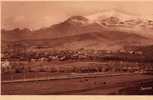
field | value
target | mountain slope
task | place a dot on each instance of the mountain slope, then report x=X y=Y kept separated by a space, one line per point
x=108 y=40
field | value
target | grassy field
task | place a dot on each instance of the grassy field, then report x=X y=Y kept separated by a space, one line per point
x=74 y=86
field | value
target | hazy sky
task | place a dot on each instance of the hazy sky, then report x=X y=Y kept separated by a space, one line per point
x=41 y=14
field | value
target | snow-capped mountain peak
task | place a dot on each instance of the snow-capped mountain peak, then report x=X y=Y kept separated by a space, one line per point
x=77 y=19
x=112 y=18
x=110 y=13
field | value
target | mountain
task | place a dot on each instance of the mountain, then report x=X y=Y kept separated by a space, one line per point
x=111 y=13
x=15 y=34
x=106 y=30
x=122 y=20
x=106 y=40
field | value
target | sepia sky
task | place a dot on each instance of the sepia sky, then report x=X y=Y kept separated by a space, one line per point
x=35 y=15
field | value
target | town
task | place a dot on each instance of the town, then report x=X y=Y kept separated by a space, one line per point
x=101 y=61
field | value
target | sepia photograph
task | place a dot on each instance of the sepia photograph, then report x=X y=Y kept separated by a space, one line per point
x=77 y=48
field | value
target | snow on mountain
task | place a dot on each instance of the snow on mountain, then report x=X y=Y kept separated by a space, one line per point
x=124 y=21
x=118 y=17
x=110 y=13
x=77 y=19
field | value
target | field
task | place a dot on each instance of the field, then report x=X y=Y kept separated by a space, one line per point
x=103 y=84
